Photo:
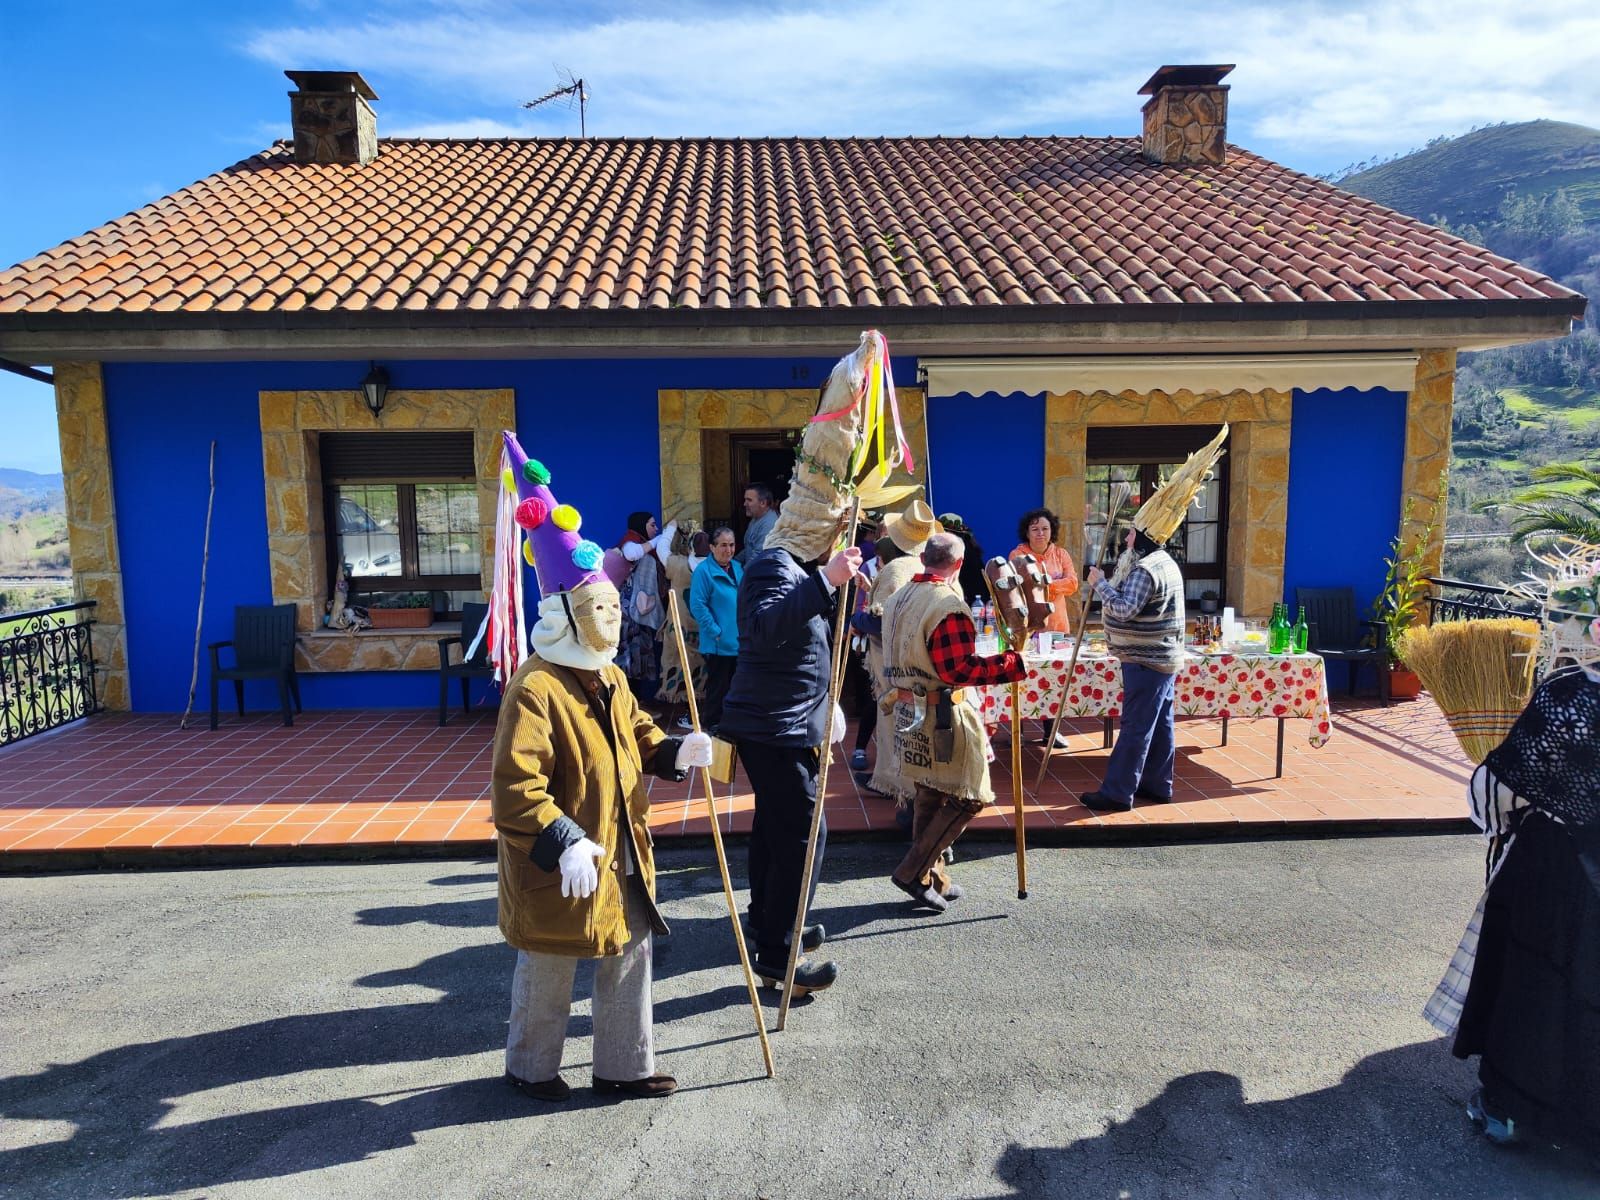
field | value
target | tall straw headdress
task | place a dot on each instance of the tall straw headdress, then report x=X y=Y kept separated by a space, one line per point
x=1158 y=518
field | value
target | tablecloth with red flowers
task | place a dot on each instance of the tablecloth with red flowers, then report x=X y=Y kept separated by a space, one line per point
x=1238 y=686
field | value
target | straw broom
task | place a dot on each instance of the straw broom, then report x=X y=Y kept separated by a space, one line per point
x=1479 y=672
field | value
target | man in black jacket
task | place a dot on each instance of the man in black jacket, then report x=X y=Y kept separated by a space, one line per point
x=775 y=711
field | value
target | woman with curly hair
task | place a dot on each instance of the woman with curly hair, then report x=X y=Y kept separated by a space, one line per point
x=1038 y=534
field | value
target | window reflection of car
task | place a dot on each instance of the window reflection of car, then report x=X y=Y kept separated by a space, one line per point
x=368 y=547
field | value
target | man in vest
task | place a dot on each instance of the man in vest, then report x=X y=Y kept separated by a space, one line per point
x=1142 y=607
x=939 y=739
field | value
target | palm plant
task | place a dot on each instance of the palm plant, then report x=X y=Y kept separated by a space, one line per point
x=1564 y=501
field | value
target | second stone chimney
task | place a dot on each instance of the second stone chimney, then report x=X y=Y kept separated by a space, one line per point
x=332 y=119
x=1186 y=117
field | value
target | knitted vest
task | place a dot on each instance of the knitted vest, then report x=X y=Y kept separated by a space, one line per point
x=914 y=612
x=1153 y=637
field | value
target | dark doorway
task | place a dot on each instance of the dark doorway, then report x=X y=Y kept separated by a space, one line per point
x=735 y=458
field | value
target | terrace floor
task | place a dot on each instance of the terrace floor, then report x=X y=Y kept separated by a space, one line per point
x=121 y=786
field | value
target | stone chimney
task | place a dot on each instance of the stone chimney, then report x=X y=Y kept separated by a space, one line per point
x=1186 y=117
x=332 y=121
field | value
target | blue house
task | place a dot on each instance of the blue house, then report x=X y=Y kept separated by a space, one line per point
x=351 y=321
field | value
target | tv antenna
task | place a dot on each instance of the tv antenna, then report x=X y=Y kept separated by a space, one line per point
x=572 y=89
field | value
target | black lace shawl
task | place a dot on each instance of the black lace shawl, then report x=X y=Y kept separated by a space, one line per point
x=1551 y=757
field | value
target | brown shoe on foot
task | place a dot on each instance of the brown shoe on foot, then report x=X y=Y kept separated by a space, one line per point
x=650 y=1087
x=554 y=1089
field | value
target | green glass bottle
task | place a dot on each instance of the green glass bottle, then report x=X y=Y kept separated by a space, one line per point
x=1301 y=639
x=1278 y=630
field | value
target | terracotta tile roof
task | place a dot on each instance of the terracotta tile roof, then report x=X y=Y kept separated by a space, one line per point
x=932 y=223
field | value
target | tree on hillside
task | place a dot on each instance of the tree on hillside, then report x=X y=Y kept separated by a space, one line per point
x=1564 y=501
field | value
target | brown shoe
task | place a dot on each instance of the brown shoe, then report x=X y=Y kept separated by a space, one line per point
x=647 y=1088
x=554 y=1089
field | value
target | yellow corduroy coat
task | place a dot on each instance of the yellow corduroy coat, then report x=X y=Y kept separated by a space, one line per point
x=552 y=758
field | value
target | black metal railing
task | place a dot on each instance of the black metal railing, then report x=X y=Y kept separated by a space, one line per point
x=46 y=669
x=1456 y=600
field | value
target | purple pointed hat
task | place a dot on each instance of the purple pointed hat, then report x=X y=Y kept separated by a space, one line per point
x=563 y=558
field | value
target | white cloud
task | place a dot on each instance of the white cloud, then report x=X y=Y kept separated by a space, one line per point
x=1328 y=79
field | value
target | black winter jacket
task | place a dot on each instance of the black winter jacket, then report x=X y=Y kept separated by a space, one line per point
x=779 y=693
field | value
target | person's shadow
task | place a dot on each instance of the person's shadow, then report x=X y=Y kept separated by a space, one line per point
x=1393 y=1126
x=120 y=1101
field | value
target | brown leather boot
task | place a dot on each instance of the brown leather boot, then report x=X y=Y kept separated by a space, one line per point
x=554 y=1089
x=648 y=1088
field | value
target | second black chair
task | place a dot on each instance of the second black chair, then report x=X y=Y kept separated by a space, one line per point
x=1337 y=634
x=476 y=667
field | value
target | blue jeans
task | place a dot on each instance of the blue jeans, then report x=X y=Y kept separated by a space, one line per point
x=1145 y=750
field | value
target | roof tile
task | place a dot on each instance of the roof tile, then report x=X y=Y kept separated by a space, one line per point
x=749 y=224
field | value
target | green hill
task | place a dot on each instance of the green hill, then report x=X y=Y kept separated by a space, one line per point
x=1464 y=179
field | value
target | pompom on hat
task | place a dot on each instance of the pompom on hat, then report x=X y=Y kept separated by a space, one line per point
x=563 y=558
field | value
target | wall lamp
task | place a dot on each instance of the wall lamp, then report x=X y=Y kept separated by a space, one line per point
x=375 y=389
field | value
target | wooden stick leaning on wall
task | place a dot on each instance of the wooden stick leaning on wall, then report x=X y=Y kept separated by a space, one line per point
x=716 y=842
x=199 y=616
x=835 y=685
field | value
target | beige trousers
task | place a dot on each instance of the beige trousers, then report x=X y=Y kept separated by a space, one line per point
x=541 y=1002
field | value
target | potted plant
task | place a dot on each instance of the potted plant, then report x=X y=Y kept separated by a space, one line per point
x=1208 y=601
x=401 y=610
x=1399 y=606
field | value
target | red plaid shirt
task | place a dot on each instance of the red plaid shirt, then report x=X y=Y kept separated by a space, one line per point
x=953 y=648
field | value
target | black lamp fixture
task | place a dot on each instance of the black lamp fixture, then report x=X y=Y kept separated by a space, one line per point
x=375 y=389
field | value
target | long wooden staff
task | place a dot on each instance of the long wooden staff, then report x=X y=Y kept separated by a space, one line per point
x=716 y=841
x=835 y=684
x=1119 y=496
x=205 y=561
x=1018 y=817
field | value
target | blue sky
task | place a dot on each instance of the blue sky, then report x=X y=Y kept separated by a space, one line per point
x=105 y=106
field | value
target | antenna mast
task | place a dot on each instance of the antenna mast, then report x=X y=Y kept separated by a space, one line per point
x=572 y=89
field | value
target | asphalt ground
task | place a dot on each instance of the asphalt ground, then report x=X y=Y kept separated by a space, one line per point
x=1217 y=1019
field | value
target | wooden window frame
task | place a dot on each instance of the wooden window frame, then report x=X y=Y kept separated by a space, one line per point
x=1150 y=448
x=410 y=578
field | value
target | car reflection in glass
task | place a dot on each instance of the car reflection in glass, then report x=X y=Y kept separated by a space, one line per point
x=367 y=546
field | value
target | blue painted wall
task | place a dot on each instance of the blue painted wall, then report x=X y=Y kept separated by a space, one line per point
x=987 y=459
x=1346 y=451
x=593 y=422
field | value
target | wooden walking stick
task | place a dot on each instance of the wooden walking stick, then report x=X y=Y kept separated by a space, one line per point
x=835 y=683
x=200 y=614
x=1019 y=819
x=716 y=841
x=1119 y=496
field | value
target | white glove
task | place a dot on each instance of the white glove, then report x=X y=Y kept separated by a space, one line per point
x=662 y=542
x=838 y=725
x=579 y=877
x=694 y=751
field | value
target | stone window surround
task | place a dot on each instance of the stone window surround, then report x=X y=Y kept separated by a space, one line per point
x=296 y=536
x=683 y=412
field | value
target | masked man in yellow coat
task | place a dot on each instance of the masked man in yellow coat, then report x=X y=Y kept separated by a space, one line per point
x=577 y=877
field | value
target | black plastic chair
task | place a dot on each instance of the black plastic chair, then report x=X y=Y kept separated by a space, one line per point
x=1339 y=635
x=476 y=667
x=263 y=648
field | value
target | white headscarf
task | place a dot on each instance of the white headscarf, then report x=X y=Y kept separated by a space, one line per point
x=555 y=636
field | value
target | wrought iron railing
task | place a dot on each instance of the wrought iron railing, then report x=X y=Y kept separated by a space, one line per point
x=1456 y=600
x=46 y=669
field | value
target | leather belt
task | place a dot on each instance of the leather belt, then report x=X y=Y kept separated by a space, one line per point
x=957 y=695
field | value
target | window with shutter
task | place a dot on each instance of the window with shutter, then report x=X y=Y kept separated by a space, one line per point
x=402 y=513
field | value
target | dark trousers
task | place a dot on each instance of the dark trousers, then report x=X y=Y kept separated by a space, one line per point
x=719 y=674
x=784 y=779
x=866 y=706
x=1146 y=743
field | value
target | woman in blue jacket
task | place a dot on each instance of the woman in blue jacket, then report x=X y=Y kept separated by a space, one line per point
x=714 y=601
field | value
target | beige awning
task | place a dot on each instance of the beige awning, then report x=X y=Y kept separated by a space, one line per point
x=1395 y=371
